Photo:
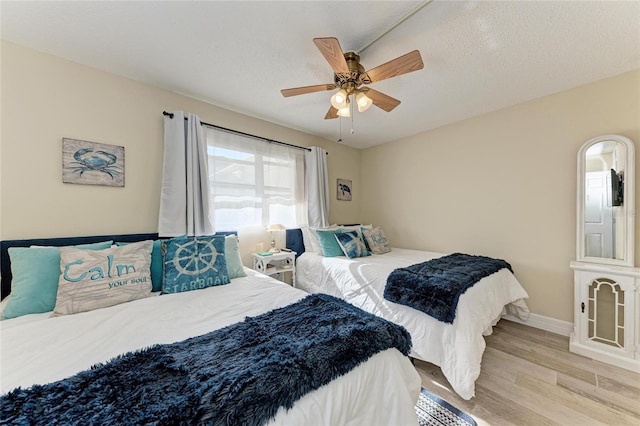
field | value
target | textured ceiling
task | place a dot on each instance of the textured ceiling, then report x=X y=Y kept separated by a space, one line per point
x=478 y=56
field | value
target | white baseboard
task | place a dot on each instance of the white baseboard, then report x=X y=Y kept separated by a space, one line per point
x=626 y=361
x=553 y=325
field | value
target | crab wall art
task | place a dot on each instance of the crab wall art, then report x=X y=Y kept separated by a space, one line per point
x=92 y=163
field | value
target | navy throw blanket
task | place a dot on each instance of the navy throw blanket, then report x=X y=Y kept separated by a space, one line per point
x=435 y=286
x=238 y=375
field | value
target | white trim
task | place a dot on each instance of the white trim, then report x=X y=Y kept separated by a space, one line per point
x=604 y=356
x=564 y=328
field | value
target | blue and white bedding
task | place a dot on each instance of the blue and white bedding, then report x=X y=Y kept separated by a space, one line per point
x=38 y=349
x=458 y=347
x=435 y=286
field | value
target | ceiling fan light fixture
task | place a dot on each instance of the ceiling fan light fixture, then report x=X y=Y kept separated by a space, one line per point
x=349 y=74
x=339 y=99
x=344 y=112
x=363 y=101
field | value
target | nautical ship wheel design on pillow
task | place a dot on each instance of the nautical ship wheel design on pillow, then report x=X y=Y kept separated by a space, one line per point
x=195 y=257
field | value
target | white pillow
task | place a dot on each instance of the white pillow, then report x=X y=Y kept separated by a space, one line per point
x=310 y=238
x=4 y=303
x=377 y=240
x=93 y=279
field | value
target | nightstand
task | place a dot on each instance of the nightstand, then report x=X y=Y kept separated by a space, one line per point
x=276 y=265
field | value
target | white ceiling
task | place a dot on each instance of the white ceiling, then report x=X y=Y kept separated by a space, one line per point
x=478 y=56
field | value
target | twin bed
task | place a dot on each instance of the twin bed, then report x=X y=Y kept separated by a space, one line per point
x=455 y=347
x=458 y=347
x=40 y=349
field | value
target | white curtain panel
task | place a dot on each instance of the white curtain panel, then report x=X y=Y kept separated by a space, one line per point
x=317 y=187
x=254 y=182
x=184 y=198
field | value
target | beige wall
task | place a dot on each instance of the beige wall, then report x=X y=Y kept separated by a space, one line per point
x=45 y=98
x=502 y=184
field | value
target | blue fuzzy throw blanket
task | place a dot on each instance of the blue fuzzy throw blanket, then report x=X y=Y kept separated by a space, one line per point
x=238 y=375
x=434 y=287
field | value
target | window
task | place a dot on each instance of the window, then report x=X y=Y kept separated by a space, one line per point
x=253 y=182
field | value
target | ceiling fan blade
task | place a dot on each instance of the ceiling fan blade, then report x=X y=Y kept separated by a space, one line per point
x=306 y=89
x=381 y=100
x=402 y=65
x=332 y=113
x=332 y=52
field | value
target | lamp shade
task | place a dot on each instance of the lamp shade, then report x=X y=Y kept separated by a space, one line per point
x=339 y=99
x=363 y=101
x=344 y=112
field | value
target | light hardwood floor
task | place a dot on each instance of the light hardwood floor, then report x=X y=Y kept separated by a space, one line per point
x=529 y=377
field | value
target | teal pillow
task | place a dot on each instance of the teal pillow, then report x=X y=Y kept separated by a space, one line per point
x=328 y=243
x=234 y=261
x=156 y=263
x=35 y=273
x=351 y=244
x=194 y=263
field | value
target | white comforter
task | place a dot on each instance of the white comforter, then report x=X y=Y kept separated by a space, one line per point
x=457 y=348
x=38 y=349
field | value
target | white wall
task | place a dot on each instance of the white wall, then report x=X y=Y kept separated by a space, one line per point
x=502 y=184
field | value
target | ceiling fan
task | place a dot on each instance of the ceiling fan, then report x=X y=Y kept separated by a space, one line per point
x=350 y=76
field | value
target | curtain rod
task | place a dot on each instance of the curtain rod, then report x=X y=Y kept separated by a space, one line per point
x=170 y=115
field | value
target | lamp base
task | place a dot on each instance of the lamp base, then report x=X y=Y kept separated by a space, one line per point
x=273 y=248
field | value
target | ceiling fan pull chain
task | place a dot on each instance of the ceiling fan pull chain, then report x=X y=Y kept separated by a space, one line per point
x=352 y=131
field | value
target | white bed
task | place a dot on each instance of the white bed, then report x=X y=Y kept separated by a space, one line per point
x=457 y=348
x=37 y=349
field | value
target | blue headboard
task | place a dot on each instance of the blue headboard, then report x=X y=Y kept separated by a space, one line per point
x=293 y=242
x=5 y=262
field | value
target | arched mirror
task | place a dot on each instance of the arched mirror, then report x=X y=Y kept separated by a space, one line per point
x=605 y=206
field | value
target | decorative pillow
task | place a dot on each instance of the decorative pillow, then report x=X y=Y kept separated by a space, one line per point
x=97 y=279
x=194 y=263
x=232 y=254
x=362 y=229
x=308 y=237
x=35 y=272
x=351 y=244
x=377 y=241
x=3 y=304
x=328 y=243
x=156 y=263
x=358 y=229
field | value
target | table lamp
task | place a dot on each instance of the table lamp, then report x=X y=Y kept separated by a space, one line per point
x=272 y=228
